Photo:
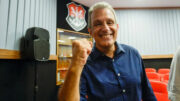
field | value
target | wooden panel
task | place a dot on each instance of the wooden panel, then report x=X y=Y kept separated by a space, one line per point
x=9 y=54
x=157 y=56
x=13 y=54
x=53 y=57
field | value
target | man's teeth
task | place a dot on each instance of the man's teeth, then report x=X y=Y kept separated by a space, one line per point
x=106 y=36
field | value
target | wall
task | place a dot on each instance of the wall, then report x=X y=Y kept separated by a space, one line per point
x=151 y=31
x=18 y=15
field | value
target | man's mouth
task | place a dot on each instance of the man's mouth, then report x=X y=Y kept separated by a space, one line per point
x=106 y=36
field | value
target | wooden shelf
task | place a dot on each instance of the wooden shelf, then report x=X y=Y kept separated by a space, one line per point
x=64 y=44
x=14 y=54
x=9 y=54
x=157 y=56
x=60 y=83
x=79 y=33
x=64 y=56
x=62 y=69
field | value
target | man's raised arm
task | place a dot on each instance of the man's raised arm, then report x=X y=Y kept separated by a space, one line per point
x=70 y=89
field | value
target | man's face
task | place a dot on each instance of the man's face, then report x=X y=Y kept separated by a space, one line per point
x=103 y=28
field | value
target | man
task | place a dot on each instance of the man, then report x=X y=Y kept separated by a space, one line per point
x=108 y=72
x=174 y=81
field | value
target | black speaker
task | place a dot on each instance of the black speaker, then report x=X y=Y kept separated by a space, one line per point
x=36 y=44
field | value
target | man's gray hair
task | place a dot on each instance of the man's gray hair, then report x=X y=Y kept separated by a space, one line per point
x=99 y=5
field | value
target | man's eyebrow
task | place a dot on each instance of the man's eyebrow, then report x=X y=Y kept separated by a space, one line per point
x=110 y=19
x=96 y=21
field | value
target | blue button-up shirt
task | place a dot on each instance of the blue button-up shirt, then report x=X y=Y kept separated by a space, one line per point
x=121 y=78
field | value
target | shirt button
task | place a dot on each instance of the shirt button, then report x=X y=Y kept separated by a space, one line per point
x=124 y=90
x=118 y=74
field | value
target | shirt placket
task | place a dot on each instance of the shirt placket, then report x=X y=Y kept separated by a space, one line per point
x=119 y=79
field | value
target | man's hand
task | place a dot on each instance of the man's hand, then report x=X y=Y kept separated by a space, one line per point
x=80 y=50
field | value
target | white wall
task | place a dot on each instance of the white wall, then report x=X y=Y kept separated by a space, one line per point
x=18 y=15
x=151 y=31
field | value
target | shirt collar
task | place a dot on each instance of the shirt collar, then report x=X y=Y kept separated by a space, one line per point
x=96 y=53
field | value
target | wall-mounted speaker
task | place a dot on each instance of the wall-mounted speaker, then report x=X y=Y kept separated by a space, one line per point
x=36 y=44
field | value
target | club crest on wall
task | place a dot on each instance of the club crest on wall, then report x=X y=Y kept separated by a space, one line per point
x=76 y=16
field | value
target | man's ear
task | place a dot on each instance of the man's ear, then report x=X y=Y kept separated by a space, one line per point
x=117 y=26
x=90 y=32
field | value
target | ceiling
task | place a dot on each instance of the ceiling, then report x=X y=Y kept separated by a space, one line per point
x=134 y=3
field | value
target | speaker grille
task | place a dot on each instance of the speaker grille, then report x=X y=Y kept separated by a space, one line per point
x=41 y=50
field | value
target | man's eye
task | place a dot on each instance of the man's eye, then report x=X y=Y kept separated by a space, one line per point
x=110 y=22
x=97 y=24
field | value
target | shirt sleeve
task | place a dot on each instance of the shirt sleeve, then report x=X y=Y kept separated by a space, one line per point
x=147 y=92
x=83 y=88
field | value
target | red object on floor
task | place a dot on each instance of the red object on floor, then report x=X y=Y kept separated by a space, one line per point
x=160 y=90
x=150 y=69
x=161 y=96
x=165 y=78
x=159 y=86
x=153 y=76
x=163 y=71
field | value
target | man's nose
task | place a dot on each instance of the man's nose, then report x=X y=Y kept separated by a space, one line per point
x=105 y=28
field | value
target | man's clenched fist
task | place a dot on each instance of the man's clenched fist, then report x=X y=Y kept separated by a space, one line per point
x=80 y=50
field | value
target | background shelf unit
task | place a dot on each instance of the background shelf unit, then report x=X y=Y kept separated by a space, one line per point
x=64 y=51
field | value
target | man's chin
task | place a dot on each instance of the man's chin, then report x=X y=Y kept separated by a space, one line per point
x=107 y=45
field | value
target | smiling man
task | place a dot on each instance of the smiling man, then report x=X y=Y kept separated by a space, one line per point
x=108 y=71
x=103 y=29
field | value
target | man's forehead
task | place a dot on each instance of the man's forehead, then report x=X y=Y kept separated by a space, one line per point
x=96 y=11
x=99 y=12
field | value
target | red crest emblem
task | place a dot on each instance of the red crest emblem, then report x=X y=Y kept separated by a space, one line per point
x=76 y=16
